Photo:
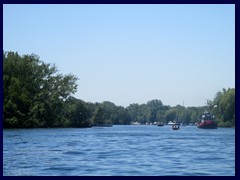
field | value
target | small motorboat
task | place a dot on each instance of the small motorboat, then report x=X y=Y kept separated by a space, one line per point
x=175 y=126
x=160 y=124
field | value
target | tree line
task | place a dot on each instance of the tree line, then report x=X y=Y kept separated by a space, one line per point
x=37 y=95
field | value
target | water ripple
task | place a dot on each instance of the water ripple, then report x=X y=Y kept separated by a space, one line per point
x=119 y=150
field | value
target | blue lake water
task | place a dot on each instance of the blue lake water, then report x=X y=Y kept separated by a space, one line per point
x=131 y=150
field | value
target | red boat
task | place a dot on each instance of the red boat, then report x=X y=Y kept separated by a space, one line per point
x=207 y=121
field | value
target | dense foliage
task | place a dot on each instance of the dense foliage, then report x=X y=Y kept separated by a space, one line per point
x=223 y=106
x=36 y=95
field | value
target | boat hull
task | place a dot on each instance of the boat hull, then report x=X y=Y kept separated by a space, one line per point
x=207 y=125
x=175 y=127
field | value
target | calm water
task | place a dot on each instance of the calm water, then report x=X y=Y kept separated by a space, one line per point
x=119 y=150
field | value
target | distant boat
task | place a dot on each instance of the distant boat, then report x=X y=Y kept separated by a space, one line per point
x=135 y=123
x=207 y=121
x=171 y=123
x=175 y=126
x=160 y=124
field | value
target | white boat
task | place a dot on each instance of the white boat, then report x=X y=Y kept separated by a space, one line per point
x=171 y=123
x=135 y=123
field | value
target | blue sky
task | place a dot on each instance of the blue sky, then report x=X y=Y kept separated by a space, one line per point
x=131 y=53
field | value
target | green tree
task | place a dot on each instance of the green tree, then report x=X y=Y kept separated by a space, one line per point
x=170 y=115
x=153 y=107
x=227 y=107
x=99 y=116
x=77 y=113
x=133 y=112
x=34 y=93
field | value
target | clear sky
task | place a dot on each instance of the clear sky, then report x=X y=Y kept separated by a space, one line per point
x=131 y=53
